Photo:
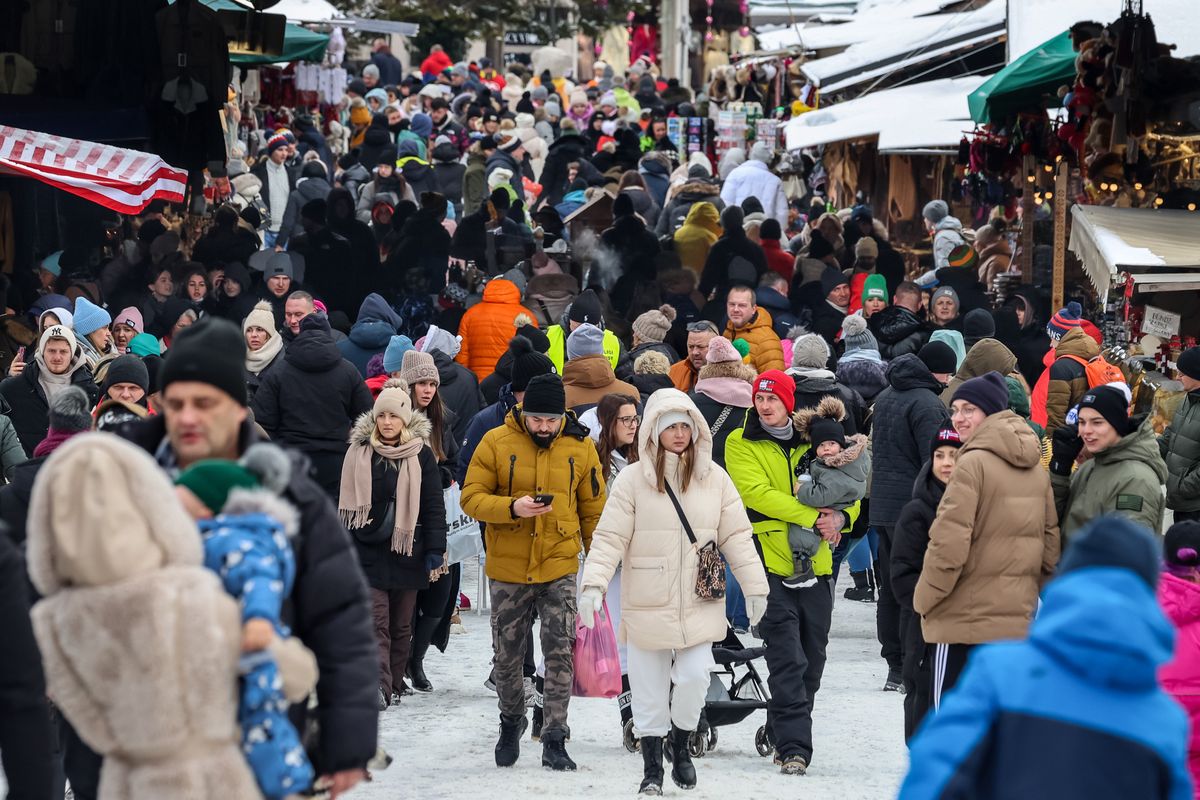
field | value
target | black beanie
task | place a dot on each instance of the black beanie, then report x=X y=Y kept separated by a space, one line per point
x=126 y=369
x=988 y=392
x=978 y=324
x=832 y=278
x=819 y=247
x=825 y=429
x=545 y=396
x=1110 y=403
x=154 y=365
x=586 y=308
x=527 y=363
x=946 y=436
x=1189 y=363
x=939 y=358
x=541 y=342
x=1181 y=546
x=622 y=206
x=1112 y=541
x=212 y=351
x=770 y=229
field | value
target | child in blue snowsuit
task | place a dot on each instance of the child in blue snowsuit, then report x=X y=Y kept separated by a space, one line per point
x=246 y=545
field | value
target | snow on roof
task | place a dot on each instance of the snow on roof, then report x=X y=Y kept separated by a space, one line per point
x=306 y=10
x=922 y=115
x=1032 y=22
x=1109 y=240
x=869 y=23
x=901 y=41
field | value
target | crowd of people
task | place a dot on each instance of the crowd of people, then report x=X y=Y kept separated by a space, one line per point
x=266 y=430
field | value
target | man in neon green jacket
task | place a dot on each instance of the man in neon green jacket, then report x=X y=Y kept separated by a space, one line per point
x=764 y=459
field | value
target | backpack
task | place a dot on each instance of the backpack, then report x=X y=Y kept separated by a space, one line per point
x=1099 y=372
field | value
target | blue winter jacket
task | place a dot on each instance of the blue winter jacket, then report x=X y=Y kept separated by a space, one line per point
x=376 y=324
x=490 y=417
x=1074 y=712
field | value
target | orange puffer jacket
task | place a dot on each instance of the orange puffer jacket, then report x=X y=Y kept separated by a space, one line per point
x=488 y=326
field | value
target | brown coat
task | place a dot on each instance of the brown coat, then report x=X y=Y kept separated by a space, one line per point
x=1068 y=378
x=994 y=541
x=994 y=258
x=765 y=350
x=588 y=378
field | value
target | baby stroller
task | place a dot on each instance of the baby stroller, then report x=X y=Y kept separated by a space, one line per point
x=735 y=692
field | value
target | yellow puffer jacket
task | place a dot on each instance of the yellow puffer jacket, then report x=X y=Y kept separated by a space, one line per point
x=696 y=236
x=766 y=352
x=508 y=465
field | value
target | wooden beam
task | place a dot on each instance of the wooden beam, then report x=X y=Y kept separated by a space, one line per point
x=1060 y=200
x=1028 y=211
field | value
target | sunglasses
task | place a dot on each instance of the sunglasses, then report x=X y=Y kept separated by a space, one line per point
x=702 y=327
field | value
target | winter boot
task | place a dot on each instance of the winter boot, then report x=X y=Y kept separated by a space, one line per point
x=384 y=699
x=508 y=748
x=894 y=682
x=862 y=591
x=625 y=702
x=793 y=765
x=652 y=765
x=683 y=772
x=422 y=635
x=535 y=732
x=554 y=751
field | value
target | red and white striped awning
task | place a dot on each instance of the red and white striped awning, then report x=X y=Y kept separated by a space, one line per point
x=115 y=177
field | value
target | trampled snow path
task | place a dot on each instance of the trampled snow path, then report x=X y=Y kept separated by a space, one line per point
x=443 y=742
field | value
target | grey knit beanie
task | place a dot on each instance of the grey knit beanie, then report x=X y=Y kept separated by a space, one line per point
x=810 y=351
x=586 y=340
x=856 y=335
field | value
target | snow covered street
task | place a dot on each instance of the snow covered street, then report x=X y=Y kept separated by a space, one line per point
x=443 y=742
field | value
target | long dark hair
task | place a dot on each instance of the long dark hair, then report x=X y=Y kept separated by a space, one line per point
x=436 y=412
x=607 y=411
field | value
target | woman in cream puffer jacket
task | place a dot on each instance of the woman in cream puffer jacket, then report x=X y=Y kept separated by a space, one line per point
x=668 y=629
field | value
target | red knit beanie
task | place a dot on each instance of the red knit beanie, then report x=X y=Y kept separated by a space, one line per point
x=779 y=384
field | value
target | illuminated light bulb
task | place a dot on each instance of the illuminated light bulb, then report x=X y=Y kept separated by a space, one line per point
x=1191 y=206
x=708 y=20
x=1030 y=177
x=708 y=36
x=1137 y=187
x=744 y=30
x=1158 y=201
x=1049 y=195
x=1037 y=201
x=1048 y=168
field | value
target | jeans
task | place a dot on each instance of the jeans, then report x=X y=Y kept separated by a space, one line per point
x=735 y=602
x=269 y=238
x=864 y=552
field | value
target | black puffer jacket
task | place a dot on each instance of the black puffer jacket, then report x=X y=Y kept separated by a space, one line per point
x=898 y=331
x=15 y=496
x=448 y=173
x=564 y=150
x=385 y=569
x=459 y=391
x=734 y=244
x=307 y=189
x=813 y=385
x=329 y=611
x=910 y=539
x=1180 y=448
x=29 y=409
x=309 y=399
x=907 y=415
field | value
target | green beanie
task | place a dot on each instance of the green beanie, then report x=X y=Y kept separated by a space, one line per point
x=875 y=288
x=212 y=480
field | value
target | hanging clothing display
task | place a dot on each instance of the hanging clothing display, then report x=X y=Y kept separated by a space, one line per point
x=902 y=190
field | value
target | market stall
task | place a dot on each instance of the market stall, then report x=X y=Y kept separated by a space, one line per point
x=1110 y=241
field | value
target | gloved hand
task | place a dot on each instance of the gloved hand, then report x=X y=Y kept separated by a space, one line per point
x=756 y=606
x=1064 y=448
x=434 y=560
x=591 y=600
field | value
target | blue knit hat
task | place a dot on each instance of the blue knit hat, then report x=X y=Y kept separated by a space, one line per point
x=393 y=356
x=1112 y=541
x=89 y=317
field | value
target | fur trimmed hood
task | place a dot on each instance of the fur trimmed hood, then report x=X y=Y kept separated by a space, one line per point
x=829 y=407
x=728 y=369
x=856 y=445
x=699 y=187
x=418 y=425
x=266 y=502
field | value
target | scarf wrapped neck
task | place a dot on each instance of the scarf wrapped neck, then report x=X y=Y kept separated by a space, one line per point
x=354 y=502
x=260 y=359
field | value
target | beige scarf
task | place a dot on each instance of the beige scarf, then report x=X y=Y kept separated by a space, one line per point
x=354 y=502
x=260 y=359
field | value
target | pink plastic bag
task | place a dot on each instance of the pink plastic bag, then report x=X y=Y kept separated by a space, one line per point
x=597 y=663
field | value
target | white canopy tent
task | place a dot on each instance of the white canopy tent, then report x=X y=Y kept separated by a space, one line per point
x=1113 y=240
x=917 y=117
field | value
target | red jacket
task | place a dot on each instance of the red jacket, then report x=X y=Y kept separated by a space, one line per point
x=435 y=63
x=778 y=259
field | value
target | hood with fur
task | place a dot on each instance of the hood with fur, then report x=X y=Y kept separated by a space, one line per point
x=418 y=426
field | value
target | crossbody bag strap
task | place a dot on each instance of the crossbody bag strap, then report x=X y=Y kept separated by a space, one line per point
x=716 y=426
x=687 y=526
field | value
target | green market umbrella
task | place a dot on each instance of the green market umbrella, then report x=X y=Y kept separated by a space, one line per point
x=299 y=44
x=1025 y=81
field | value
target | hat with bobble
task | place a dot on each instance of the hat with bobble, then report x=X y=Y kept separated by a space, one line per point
x=652 y=325
x=1067 y=318
x=856 y=335
x=527 y=362
x=963 y=256
x=395 y=399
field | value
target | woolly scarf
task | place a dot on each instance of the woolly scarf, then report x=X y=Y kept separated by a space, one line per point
x=727 y=391
x=861 y=354
x=53 y=384
x=354 y=502
x=260 y=359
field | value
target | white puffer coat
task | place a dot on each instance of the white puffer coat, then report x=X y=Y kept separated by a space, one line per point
x=640 y=529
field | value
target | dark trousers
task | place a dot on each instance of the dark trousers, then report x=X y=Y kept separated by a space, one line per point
x=796 y=631
x=946 y=663
x=392 y=611
x=327 y=471
x=512 y=620
x=915 y=673
x=434 y=606
x=887 y=610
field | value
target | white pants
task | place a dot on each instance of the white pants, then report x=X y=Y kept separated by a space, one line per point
x=651 y=675
x=613 y=598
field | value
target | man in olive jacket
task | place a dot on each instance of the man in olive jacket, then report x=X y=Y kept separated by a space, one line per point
x=541 y=452
x=1180 y=443
x=764 y=459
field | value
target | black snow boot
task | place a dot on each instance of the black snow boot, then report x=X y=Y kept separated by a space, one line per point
x=423 y=632
x=683 y=772
x=862 y=590
x=554 y=751
x=508 y=749
x=652 y=765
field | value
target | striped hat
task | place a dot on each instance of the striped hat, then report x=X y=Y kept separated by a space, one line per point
x=275 y=142
x=1066 y=319
x=964 y=256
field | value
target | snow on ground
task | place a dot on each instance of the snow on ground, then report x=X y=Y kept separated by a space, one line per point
x=443 y=742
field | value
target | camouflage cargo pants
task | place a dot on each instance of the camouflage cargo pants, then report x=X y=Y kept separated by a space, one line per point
x=512 y=604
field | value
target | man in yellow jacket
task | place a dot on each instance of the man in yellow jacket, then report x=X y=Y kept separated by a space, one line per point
x=753 y=324
x=536 y=482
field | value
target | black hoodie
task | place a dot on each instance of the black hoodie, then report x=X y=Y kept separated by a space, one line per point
x=311 y=398
x=362 y=271
x=376 y=139
x=459 y=390
x=448 y=173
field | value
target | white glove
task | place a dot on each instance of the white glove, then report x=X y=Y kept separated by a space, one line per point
x=756 y=606
x=591 y=600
